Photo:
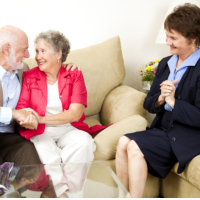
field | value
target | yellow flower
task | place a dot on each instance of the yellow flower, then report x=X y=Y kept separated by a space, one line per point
x=140 y=70
x=157 y=60
x=149 y=68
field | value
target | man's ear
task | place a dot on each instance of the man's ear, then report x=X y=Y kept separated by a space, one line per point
x=6 y=49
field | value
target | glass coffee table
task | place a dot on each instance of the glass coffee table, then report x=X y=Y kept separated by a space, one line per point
x=75 y=180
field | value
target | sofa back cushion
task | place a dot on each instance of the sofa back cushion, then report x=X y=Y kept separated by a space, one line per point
x=103 y=70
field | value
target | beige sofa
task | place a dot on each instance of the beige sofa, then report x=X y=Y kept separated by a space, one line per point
x=109 y=101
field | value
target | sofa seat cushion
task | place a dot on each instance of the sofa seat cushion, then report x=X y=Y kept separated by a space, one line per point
x=91 y=121
x=107 y=140
x=191 y=172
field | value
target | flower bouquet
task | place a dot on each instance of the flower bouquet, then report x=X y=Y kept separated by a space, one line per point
x=150 y=71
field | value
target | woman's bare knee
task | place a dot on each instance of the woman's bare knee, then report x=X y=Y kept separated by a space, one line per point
x=134 y=150
x=123 y=143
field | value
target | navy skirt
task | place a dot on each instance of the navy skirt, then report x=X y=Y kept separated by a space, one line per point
x=155 y=145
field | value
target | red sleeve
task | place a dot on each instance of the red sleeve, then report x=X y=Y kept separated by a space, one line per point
x=24 y=96
x=79 y=92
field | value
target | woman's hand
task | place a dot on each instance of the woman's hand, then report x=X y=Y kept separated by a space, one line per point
x=38 y=117
x=30 y=122
x=168 y=90
x=71 y=66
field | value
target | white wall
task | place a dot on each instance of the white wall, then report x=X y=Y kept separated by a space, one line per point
x=88 y=22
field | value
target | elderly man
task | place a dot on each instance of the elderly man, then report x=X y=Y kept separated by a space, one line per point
x=13 y=147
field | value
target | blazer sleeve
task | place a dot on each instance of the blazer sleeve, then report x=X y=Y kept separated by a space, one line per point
x=79 y=91
x=24 y=98
x=187 y=113
x=154 y=93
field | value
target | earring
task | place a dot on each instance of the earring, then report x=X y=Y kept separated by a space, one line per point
x=58 y=60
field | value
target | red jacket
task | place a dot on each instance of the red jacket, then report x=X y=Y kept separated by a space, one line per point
x=71 y=88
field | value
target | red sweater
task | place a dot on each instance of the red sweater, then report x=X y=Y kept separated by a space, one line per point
x=71 y=88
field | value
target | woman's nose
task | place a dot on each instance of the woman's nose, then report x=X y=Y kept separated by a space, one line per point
x=168 y=42
x=38 y=56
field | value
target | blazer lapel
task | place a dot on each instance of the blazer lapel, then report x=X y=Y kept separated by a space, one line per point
x=165 y=74
x=181 y=83
x=1 y=96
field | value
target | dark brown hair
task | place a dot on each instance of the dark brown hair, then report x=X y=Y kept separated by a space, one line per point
x=185 y=19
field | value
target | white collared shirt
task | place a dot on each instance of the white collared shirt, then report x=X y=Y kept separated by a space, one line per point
x=11 y=92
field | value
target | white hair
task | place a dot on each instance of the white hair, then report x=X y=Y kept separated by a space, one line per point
x=7 y=37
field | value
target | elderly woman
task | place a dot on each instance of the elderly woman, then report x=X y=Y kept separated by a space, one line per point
x=174 y=135
x=57 y=97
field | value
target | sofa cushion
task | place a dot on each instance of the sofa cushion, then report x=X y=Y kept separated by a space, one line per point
x=103 y=69
x=92 y=122
x=120 y=103
x=174 y=186
x=107 y=140
x=191 y=172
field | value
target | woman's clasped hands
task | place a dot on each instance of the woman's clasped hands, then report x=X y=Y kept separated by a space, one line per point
x=168 y=90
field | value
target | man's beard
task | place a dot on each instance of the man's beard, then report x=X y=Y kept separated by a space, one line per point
x=11 y=60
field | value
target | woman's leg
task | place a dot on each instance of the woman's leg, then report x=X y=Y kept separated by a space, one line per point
x=122 y=161
x=77 y=149
x=47 y=149
x=77 y=146
x=49 y=154
x=137 y=170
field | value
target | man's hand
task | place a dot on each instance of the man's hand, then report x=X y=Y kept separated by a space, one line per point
x=71 y=66
x=38 y=117
x=25 y=119
x=20 y=115
x=30 y=122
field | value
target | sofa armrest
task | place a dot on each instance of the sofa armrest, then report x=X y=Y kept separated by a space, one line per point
x=120 y=103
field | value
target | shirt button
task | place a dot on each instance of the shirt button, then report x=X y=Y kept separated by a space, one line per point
x=172 y=125
x=174 y=139
x=179 y=96
x=60 y=96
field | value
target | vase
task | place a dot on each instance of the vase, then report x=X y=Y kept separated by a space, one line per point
x=148 y=85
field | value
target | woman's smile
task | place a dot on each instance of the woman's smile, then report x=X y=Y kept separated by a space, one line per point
x=172 y=48
x=42 y=63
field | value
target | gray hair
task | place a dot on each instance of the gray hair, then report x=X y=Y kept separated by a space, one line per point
x=57 y=41
x=7 y=36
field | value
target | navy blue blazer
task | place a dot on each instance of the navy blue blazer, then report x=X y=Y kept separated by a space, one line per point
x=185 y=120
